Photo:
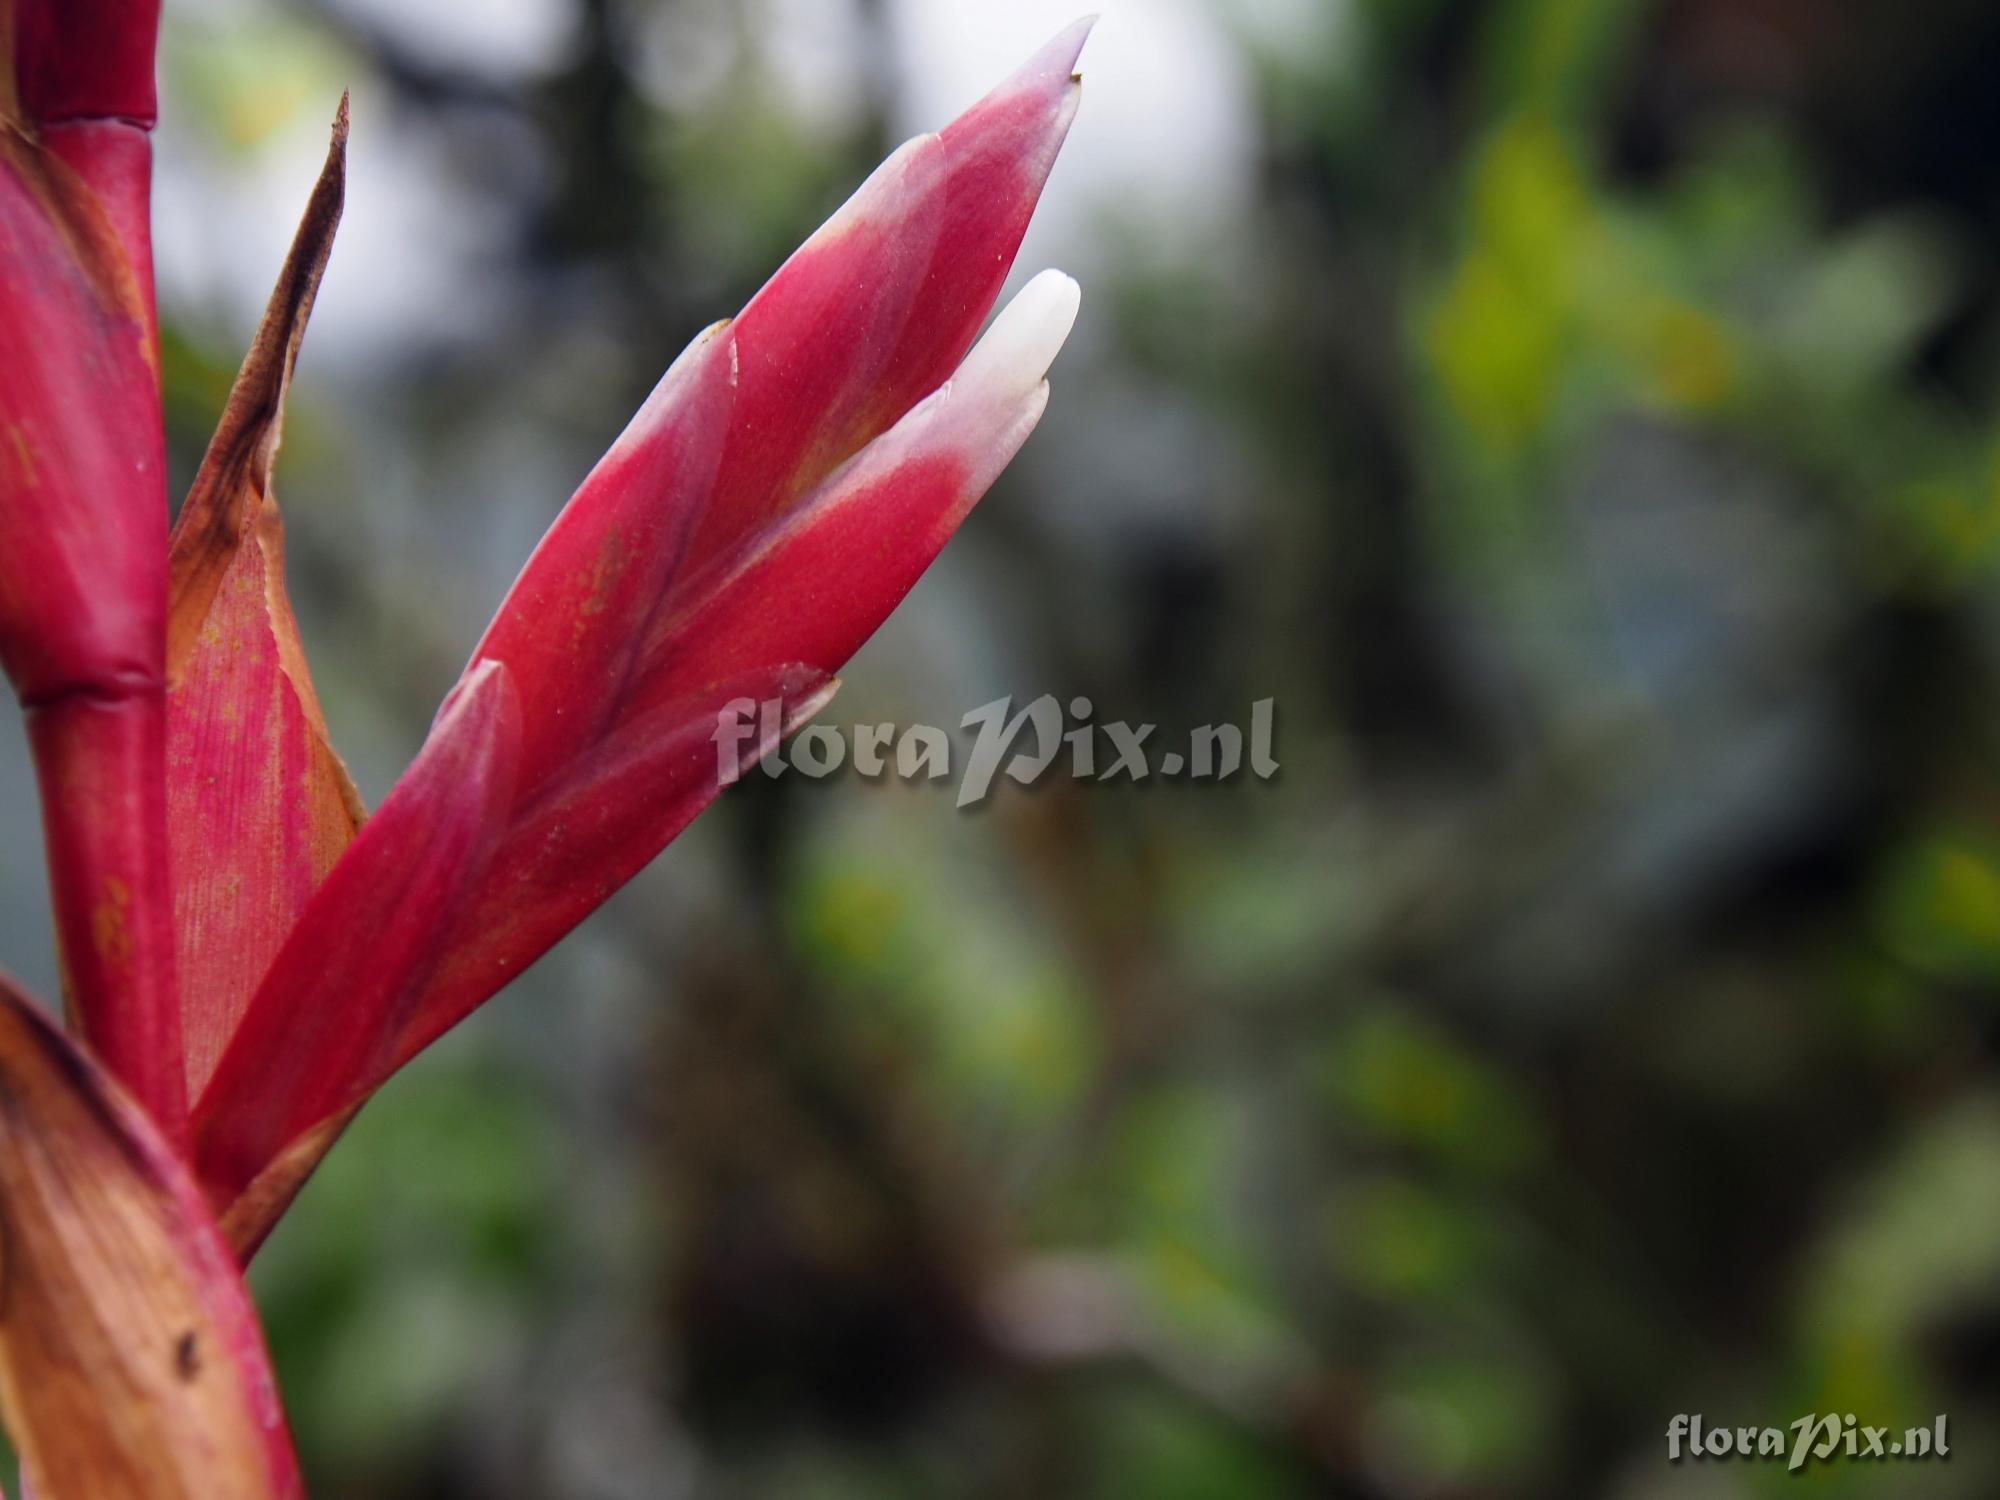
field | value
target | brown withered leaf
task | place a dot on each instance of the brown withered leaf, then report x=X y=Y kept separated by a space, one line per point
x=131 y=1365
x=235 y=474
x=259 y=805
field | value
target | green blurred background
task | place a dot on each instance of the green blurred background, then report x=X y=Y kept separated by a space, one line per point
x=1579 y=415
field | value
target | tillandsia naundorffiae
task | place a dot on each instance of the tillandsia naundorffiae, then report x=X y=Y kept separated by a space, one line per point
x=246 y=957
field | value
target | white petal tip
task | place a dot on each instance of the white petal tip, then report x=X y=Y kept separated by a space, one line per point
x=1015 y=355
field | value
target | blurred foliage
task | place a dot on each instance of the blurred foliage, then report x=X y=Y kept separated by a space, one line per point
x=1583 y=425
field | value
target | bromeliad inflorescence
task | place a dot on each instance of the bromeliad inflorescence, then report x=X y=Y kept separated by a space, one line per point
x=245 y=957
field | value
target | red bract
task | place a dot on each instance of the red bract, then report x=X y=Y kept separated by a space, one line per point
x=791 y=477
x=772 y=502
x=335 y=1004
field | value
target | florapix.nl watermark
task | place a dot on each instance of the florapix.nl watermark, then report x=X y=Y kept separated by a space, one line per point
x=1817 y=1437
x=1046 y=737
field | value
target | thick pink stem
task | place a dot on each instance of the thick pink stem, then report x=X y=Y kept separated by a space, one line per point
x=100 y=761
x=83 y=511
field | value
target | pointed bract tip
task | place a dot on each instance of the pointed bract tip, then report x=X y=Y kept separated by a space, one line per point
x=1014 y=356
x=481 y=681
x=1066 y=46
x=903 y=178
x=802 y=707
x=340 y=117
x=1052 y=69
x=486 y=688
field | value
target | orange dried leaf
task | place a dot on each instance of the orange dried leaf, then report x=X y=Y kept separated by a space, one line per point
x=131 y=1365
x=259 y=804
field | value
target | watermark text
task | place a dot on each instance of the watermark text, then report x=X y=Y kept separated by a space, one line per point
x=1818 y=1437
x=1045 y=737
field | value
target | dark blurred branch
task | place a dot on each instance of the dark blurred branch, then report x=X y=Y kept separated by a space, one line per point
x=415 y=79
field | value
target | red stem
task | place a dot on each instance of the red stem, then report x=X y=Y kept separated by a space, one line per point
x=100 y=759
x=82 y=72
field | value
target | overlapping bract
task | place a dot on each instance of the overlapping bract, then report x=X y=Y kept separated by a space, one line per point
x=785 y=485
x=771 y=503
